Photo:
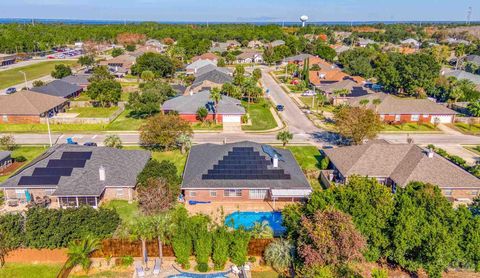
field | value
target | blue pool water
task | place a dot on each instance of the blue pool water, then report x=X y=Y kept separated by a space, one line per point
x=248 y=218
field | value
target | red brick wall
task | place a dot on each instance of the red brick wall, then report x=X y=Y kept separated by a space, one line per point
x=18 y=119
x=112 y=193
x=461 y=193
x=193 y=118
x=406 y=119
x=204 y=195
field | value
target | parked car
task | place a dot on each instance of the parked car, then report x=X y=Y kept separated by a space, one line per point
x=280 y=107
x=10 y=91
x=90 y=144
x=308 y=93
x=326 y=147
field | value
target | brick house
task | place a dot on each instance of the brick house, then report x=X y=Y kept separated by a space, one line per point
x=396 y=165
x=243 y=172
x=73 y=175
x=28 y=107
x=59 y=88
x=5 y=160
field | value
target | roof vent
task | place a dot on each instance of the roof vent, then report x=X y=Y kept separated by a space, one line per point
x=101 y=173
x=275 y=161
x=430 y=153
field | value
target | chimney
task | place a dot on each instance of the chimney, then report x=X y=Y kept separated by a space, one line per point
x=430 y=153
x=101 y=173
x=275 y=161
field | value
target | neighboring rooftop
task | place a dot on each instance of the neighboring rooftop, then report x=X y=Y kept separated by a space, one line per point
x=58 y=88
x=78 y=79
x=298 y=58
x=199 y=64
x=211 y=67
x=4 y=154
x=355 y=89
x=28 y=103
x=242 y=165
x=402 y=163
x=189 y=104
x=73 y=170
x=217 y=75
x=206 y=56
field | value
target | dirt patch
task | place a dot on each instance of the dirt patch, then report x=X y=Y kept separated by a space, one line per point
x=27 y=255
x=11 y=169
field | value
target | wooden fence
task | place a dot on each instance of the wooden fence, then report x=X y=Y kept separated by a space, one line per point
x=123 y=247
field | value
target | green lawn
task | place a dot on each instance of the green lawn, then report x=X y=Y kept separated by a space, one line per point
x=29 y=152
x=124 y=122
x=262 y=118
x=84 y=97
x=308 y=102
x=468 y=129
x=308 y=157
x=23 y=270
x=93 y=112
x=200 y=126
x=265 y=274
x=410 y=127
x=127 y=212
x=174 y=156
x=13 y=76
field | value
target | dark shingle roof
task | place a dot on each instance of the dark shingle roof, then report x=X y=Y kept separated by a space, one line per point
x=216 y=76
x=403 y=163
x=189 y=104
x=298 y=58
x=58 y=88
x=209 y=68
x=4 y=154
x=121 y=168
x=203 y=157
x=79 y=79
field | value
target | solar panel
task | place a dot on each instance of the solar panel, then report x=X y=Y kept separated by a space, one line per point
x=271 y=152
x=76 y=155
x=52 y=172
x=39 y=180
x=61 y=163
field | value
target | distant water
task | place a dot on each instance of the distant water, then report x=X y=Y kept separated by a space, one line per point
x=104 y=22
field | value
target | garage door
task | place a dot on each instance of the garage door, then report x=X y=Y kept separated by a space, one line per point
x=232 y=119
x=443 y=119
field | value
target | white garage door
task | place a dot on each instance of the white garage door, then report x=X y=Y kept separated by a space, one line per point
x=232 y=119
x=443 y=119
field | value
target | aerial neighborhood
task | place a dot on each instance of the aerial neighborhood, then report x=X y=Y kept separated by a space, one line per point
x=146 y=149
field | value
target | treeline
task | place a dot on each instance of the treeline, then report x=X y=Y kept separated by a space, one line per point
x=55 y=228
x=415 y=228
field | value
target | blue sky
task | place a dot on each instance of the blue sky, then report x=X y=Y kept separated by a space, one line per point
x=242 y=10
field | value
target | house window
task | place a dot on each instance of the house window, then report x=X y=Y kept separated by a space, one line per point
x=414 y=118
x=232 y=193
x=397 y=118
x=5 y=118
x=213 y=193
x=447 y=192
x=192 y=193
x=474 y=192
x=119 y=192
x=257 y=194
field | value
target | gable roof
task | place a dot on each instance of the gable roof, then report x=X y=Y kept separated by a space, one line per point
x=4 y=154
x=326 y=76
x=28 y=103
x=409 y=106
x=249 y=54
x=202 y=158
x=127 y=60
x=78 y=79
x=200 y=63
x=216 y=75
x=403 y=163
x=210 y=67
x=189 y=104
x=298 y=58
x=121 y=169
x=206 y=56
x=59 y=88
x=461 y=74
x=355 y=89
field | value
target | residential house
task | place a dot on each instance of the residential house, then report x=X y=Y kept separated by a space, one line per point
x=455 y=41
x=249 y=57
x=209 y=80
x=121 y=64
x=255 y=44
x=461 y=74
x=59 y=88
x=211 y=67
x=296 y=59
x=157 y=45
x=411 y=43
x=81 y=80
x=322 y=77
x=74 y=175
x=28 y=107
x=7 y=59
x=5 y=160
x=396 y=165
x=365 y=42
x=229 y=110
x=195 y=66
x=341 y=35
x=207 y=56
x=276 y=43
x=395 y=110
x=243 y=172
x=353 y=89
x=224 y=46
x=340 y=48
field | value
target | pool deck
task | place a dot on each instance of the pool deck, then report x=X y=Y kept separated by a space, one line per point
x=215 y=209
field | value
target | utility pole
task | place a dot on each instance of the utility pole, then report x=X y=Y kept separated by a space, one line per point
x=469 y=15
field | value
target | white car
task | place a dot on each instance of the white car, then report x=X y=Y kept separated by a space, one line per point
x=308 y=93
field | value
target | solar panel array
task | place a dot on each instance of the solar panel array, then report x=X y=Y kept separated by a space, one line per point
x=244 y=163
x=56 y=168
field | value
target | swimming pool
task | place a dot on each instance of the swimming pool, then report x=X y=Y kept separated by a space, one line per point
x=248 y=218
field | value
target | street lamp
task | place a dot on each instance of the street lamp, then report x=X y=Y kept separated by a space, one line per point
x=25 y=78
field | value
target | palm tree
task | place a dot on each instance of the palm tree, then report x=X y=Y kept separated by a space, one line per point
x=216 y=96
x=262 y=230
x=143 y=230
x=321 y=99
x=364 y=102
x=284 y=136
x=340 y=92
x=278 y=254
x=163 y=226
x=376 y=102
x=113 y=141
x=185 y=142
x=79 y=252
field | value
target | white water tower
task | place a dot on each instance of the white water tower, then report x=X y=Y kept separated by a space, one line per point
x=303 y=19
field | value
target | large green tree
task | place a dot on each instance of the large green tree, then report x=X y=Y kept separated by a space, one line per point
x=106 y=92
x=357 y=123
x=160 y=65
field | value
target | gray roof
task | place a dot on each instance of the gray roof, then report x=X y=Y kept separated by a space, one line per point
x=277 y=43
x=216 y=75
x=461 y=74
x=199 y=64
x=299 y=57
x=407 y=106
x=210 y=67
x=203 y=157
x=403 y=163
x=354 y=89
x=189 y=104
x=58 y=88
x=79 y=79
x=121 y=168
x=474 y=59
x=4 y=154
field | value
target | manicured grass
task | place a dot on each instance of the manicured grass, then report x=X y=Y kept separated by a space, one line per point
x=29 y=152
x=84 y=97
x=124 y=122
x=13 y=76
x=262 y=118
x=174 y=156
x=23 y=270
x=308 y=102
x=265 y=274
x=93 y=112
x=308 y=157
x=128 y=212
x=412 y=127
x=199 y=126
x=468 y=129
